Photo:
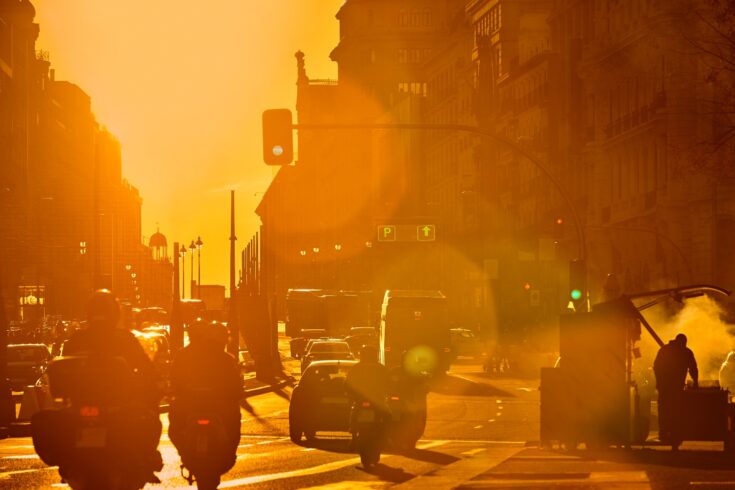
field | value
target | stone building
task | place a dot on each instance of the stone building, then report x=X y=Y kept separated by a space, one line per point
x=70 y=221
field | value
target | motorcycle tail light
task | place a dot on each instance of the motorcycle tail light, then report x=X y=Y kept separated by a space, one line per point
x=365 y=404
x=89 y=411
x=202 y=422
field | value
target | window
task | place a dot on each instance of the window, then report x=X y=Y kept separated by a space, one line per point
x=415 y=88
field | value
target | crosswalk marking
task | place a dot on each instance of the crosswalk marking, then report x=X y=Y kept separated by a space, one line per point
x=314 y=470
x=461 y=471
x=472 y=452
x=625 y=479
x=22 y=456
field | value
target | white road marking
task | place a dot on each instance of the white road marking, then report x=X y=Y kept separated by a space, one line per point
x=628 y=479
x=314 y=470
x=499 y=414
x=472 y=452
x=245 y=445
x=480 y=441
x=477 y=427
x=491 y=420
x=307 y=449
x=12 y=448
x=22 y=456
x=7 y=474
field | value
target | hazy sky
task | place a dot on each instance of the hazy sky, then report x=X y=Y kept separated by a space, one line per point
x=183 y=84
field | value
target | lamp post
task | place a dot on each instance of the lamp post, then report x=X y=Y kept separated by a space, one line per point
x=317 y=267
x=337 y=249
x=199 y=244
x=182 y=254
x=192 y=247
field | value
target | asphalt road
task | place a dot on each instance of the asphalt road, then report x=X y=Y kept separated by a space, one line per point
x=481 y=433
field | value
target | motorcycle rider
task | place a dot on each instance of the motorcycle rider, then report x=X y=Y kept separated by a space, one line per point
x=368 y=381
x=103 y=338
x=205 y=377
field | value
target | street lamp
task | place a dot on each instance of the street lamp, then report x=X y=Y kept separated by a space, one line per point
x=199 y=244
x=335 y=266
x=182 y=253
x=192 y=247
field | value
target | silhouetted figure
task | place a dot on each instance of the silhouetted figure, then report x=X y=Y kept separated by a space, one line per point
x=727 y=373
x=104 y=339
x=368 y=380
x=672 y=363
x=207 y=386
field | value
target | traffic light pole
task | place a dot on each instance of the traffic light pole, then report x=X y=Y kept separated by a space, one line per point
x=582 y=246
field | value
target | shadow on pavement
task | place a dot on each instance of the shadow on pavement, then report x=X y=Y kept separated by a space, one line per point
x=340 y=445
x=388 y=473
x=453 y=385
x=430 y=456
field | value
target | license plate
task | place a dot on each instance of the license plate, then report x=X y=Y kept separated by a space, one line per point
x=366 y=416
x=92 y=437
x=202 y=444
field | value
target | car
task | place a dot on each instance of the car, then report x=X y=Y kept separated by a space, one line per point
x=298 y=344
x=319 y=401
x=323 y=350
x=466 y=344
x=26 y=364
x=247 y=363
x=360 y=336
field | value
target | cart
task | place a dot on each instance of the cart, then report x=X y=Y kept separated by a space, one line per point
x=591 y=397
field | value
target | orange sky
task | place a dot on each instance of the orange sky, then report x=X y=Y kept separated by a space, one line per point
x=183 y=84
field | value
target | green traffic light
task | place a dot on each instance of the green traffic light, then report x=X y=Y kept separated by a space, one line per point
x=575 y=294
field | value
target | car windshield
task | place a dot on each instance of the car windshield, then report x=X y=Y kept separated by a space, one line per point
x=27 y=354
x=324 y=347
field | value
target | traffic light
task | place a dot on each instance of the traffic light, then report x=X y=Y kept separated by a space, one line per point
x=558 y=229
x=578 y=285
x=277 y=137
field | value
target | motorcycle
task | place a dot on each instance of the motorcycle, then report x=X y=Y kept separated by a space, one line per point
x=206 y=439
x=203 y=438
x=98 y=438
x=407 y=405
x=368 y=432
x=407 y=420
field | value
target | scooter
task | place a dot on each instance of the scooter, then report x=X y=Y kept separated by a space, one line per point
x=202 y=449
x=98 y=439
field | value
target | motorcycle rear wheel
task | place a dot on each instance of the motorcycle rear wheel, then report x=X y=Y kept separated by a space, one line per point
x=207 y=481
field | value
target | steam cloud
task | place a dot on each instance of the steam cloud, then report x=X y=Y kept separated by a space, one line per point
x=709 y=337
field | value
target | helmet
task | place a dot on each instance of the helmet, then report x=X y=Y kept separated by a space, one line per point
x=103 y=309
x=213 y=333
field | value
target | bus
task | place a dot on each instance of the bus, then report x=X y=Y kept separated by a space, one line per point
x=414 y=331
x=334 y=312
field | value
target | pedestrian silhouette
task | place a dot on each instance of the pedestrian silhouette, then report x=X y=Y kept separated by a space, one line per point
x=671 y=365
